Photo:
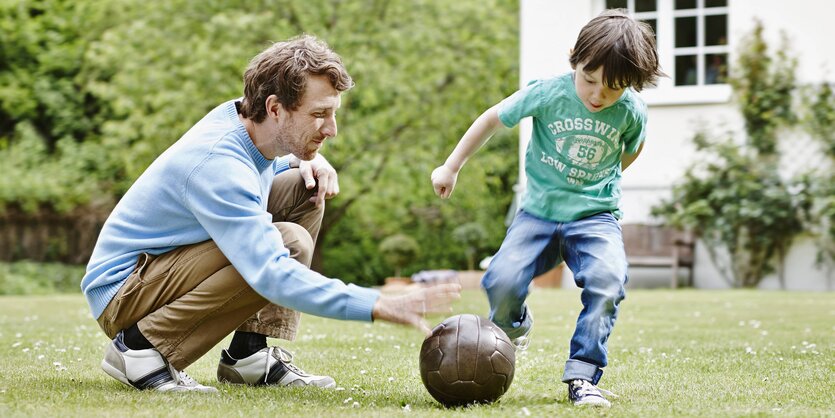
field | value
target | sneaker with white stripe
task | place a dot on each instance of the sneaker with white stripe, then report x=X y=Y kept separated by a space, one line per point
x=146 y=369
x=269 y=366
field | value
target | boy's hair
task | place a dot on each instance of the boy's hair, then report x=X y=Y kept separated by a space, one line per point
x=623 y=46
x=282 y=70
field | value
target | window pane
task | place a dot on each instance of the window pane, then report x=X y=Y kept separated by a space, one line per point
x=716 y=30
x=685 y=4
x=716 y=3
x=654 y=25
x=645 y=5
x=686 y=70
x=685 y=31
x=615 y=4
x=716 y=68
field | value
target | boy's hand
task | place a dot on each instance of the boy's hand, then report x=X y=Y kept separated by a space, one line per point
x=443 y=180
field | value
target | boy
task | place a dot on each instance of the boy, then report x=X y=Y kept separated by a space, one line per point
x=588 y=126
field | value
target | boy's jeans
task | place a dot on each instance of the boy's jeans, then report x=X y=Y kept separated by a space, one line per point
x=593 y=249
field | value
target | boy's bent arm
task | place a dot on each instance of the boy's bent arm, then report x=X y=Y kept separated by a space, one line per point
x=627 y=159
x=479 y=133
x=445 y=176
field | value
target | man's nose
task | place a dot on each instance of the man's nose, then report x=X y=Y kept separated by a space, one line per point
x=329 y=127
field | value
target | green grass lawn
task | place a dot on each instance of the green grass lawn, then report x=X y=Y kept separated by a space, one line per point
x=673 y=353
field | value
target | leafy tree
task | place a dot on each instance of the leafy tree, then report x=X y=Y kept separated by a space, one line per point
x=150 y=69
x=399 y=250
x=738 y=206
x=45 y=109
x=820 y=123
x=734 y=198
x=764 y=88
x=472 y=236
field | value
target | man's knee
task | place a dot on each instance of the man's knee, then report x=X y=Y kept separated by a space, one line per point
x=298 y=241
x=291 y=180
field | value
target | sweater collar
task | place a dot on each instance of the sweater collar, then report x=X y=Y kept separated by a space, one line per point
x=261 y=162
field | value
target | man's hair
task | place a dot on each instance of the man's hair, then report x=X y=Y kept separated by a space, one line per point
x=282 y=70
x=623 y=46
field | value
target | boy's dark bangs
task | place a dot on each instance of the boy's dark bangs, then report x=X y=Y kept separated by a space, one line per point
x=618 y=70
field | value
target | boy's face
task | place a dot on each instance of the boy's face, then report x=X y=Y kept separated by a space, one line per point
x=594 y=94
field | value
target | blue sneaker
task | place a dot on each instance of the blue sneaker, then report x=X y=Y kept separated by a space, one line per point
x=582 y=393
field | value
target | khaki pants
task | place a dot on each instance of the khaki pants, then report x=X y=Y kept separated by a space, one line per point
x=187 y=300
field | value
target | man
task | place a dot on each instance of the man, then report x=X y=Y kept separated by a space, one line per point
x=192 y=253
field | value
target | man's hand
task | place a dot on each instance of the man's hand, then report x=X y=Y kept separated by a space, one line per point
x=319 y=170
x=409 y=308
x=443 y=180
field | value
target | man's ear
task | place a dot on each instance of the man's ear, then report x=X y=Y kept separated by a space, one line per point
x=274 y=108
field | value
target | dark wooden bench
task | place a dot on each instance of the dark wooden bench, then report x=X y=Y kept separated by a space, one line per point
x=659 y=246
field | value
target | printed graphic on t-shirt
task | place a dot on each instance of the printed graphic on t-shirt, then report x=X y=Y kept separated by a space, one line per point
x=584 y=149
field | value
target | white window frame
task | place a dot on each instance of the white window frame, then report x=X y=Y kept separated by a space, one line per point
x=667 y=93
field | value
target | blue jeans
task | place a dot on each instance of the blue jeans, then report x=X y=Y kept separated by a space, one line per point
x=593 y=249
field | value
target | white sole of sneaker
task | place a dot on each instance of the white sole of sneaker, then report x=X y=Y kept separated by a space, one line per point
x=114 y=373
x=594 y=403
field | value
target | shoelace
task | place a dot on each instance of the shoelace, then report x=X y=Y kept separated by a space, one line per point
x=186 y=379
x=285 y=357
x=587 y=388
x=522 y=342
x=181 y=377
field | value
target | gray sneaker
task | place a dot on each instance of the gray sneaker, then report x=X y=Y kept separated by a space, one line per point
x=585 y=393
x=523 y=341
x=269 y=366
x=146 y=369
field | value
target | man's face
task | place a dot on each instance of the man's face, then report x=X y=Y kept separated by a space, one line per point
x=302 y=132
x=594 y=94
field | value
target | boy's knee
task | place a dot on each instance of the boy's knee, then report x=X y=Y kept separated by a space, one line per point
x=504 y=282
x=298 y=241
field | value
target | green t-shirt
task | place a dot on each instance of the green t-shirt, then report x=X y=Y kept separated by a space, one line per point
x=573 y=157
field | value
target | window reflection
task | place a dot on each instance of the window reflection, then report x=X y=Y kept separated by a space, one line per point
x=615 y=4
x=685 y=31
x=685 y=4
x=645 y=6
x=686 y=70
x=716 y=30
x=716 y=68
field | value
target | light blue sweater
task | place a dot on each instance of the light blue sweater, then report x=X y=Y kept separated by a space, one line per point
x=213 y=183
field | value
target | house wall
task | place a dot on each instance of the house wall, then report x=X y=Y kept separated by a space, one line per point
x=548 y=31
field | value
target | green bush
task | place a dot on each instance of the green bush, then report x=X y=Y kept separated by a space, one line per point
x=733 y=198
x=30 y=278
x=398 y=251
x=472 y=236
x=739 y=205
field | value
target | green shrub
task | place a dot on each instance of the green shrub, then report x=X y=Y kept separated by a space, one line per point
x=733 y=198
x=398 y=251
x=473 y=237
x=30 y=278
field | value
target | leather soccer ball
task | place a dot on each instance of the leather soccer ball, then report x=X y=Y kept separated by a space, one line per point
x=467 y=360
